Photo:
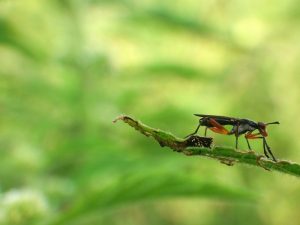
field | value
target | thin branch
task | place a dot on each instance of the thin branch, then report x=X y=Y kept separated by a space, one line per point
x=228 y=156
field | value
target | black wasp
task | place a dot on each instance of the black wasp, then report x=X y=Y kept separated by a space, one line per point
x=239 y=127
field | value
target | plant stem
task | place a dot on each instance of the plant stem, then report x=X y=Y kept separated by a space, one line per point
x=225 y=155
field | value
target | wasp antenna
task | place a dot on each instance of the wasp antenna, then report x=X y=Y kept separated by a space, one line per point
x=198 y=115
x=276 y=122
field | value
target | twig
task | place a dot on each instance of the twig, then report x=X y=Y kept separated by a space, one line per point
x=228 y=156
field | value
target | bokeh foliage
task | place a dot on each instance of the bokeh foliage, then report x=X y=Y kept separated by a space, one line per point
x=68 y=68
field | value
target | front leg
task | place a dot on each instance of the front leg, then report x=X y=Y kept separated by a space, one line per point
x=249 y=135
x=269 y=149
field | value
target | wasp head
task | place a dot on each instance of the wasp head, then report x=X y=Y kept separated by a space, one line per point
x=262 y=127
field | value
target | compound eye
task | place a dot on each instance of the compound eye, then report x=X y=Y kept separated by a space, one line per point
x=261 y=125
x=262 y=129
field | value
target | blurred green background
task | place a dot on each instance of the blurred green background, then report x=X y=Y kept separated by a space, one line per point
x=68 y=68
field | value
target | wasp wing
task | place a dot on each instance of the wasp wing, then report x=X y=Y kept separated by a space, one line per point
x=217 y=117
x=220 y=119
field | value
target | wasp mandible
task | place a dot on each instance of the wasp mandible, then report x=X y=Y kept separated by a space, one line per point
x=239 y=127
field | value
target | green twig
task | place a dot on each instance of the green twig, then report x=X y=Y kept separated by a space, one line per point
x=225 y=155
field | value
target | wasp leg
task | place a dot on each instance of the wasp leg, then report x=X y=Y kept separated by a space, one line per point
x=266 y=147
x=195 y=132
x=269 y=149
x=249 y=135
x=237 y=136
x=236 y=141
x=246 y=137
x=205 y=131
x=249 y=147
x=248 y=143
x=265 y=151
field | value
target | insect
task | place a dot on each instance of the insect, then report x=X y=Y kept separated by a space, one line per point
x=197 y=141
x=239 y=127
